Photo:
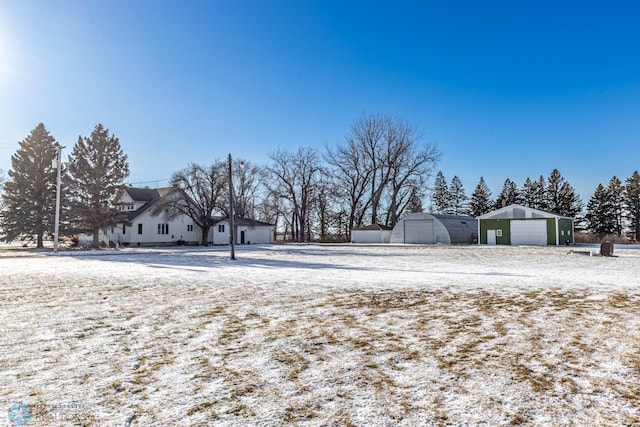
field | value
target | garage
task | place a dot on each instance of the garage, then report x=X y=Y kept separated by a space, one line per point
x=374 y=233
x=524 y=225
x=419 y=231
x=529 y=232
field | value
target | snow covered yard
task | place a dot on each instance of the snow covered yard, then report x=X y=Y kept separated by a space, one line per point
x=322 y=335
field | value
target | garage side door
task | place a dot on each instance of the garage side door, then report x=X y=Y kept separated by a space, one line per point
x=530 y=232
x=419 y=231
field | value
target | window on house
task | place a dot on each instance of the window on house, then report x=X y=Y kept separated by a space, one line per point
x=163 y=228
x=124 y=229
x=139 y=228
x=220 y=228
x=562 y=232
x=190 y=227
x=498 y=233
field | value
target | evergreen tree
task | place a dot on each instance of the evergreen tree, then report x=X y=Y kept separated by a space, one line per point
x=415 y=202
x=440 y=197
x=554 y=184
x=540 y=201
x=532 y=193
x=509 y=194
x=457 y=197
x=615 y=192
x=632 y=204
x=96 y=171
x=561 y=197
x=598 y=216
x=30 y=192
x=480 y=199
x=569 y=202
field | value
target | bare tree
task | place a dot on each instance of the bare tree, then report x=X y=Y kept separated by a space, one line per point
x=380 y=163
x=270 y=209
x=352 y=169
x=247 y=181
x=295 y=176
x=410 y=165
x=199 y=192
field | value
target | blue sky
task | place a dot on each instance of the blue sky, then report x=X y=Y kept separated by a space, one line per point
x=507 y=89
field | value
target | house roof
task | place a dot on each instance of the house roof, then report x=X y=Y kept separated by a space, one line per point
x=148 y=195
x=520 y=212
x=372 y=227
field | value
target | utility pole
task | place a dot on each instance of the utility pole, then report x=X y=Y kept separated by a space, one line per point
x=231 y=221
x=56 y=226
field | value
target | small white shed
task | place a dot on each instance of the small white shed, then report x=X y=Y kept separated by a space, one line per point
x=374 y=233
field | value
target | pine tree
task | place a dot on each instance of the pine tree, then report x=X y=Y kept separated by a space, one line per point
x=440 y=196
x=96 y=170
x=30 y=192
x=598 y=216
x=480 y=199
x=569 y=202
x=561 y=197
x=554 y=183
x=509 y=194
x=532 y=193
x=632 y=204
x=540 y=201
x=457 y=197
x=615 y=191
x=415 y=202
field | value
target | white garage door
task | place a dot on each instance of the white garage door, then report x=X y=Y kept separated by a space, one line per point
x=366 y=236
x=530 y=232
x=419 y=231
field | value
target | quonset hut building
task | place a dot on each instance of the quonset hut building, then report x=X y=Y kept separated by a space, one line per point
x=426 y=228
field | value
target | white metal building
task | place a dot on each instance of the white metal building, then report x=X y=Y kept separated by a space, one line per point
x=426 y=228
x=374 y=233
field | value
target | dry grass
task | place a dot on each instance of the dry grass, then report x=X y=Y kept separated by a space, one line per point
x=178 y=353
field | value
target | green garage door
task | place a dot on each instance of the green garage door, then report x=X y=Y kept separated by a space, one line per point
x=419 y=231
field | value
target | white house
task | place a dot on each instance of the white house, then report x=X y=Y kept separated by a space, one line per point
x=145 y=229
x=248 y=231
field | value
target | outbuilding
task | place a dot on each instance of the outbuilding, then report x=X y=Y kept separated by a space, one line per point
x=374 y=233
x=426 y=228
x=522 y=225
x=248 y=231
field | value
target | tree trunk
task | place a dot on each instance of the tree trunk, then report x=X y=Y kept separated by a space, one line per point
x=204 y=237
x=96 y=238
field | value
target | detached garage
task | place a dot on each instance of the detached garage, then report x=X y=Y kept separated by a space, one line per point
x=374 y=233
x=522 y=225
x=424 y=228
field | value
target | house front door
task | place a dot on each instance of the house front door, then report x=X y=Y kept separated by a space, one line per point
x=242 y=236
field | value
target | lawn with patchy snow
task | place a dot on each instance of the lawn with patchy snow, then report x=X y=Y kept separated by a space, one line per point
x=322 y=335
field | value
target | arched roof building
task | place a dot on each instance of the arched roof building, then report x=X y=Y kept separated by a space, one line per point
x=426 y=228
